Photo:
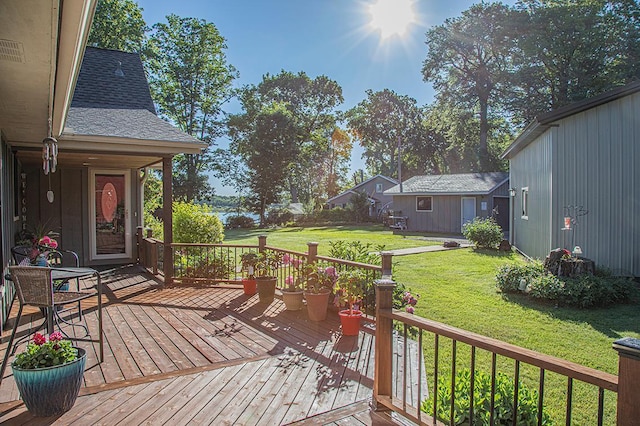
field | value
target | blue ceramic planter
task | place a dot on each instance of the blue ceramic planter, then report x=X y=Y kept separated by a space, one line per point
x=52 y=390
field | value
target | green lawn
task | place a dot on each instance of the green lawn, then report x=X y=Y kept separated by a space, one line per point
x=458 y=288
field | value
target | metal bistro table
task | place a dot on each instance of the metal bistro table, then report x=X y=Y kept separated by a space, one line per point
x=69 y=273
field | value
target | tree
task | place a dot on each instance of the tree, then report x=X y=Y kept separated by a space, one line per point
x=383 y=122
x=118 y=24
x=468 y=61
x=262 y=150
x=190 y=80
x=310 y=106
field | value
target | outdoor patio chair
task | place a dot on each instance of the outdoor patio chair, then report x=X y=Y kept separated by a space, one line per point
x=34 y=287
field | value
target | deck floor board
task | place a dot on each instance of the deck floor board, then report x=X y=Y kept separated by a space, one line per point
x=211 y=355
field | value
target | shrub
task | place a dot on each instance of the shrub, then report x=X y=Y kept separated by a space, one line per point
x=510 y=276
x=503 y=410
x=194 y=223
x=484 y=233
x=240 y=221
x=278 y=216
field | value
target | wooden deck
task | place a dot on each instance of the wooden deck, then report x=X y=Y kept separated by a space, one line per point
x=198 y=355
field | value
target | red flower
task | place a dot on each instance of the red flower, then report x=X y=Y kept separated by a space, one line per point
x=39 y=339
x=56 y=336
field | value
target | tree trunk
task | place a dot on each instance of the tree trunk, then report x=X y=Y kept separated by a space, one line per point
x=483 y=151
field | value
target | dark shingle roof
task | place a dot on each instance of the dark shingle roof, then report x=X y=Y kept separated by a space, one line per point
x=123 y=123
x=99 y=86
x=466 y=183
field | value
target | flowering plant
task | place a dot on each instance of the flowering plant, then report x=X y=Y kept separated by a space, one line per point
x=300 y=273
x=42 y=353
x=268 y=263
x=409 y=301
x=350 y=289
x=321 y=278
x=249 y=261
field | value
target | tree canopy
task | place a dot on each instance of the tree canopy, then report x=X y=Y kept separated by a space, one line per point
x=190 y=79
x=118 y=24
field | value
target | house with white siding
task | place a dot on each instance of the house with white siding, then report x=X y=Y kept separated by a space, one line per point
x=581 y=162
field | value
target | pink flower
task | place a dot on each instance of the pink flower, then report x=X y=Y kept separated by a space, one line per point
x=410 y=309
x=289 y=280
x=48 y=242
x=297 y=262
x=330 y=271
x=39 y=339
x=286 y=259
x=56 y=336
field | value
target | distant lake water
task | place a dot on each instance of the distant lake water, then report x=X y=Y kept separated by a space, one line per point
x=224 y=215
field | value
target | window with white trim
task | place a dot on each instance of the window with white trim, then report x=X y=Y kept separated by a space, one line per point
x=378 y=187
x=524 y=202
x=424 y=204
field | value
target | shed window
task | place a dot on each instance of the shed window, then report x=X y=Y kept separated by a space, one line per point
x=378 y=187
x=525 y=203
x=424 y=204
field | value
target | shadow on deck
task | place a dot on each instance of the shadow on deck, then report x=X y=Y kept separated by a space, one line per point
x=183 y=355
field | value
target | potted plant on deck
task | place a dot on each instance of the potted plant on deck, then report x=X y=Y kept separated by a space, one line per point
x=349 y=292
x=292 y=294
x=248 y=261
x=48 y=374
x=266 y=269
x=319 y=284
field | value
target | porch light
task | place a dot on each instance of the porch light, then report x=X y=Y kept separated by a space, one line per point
x=512 y=192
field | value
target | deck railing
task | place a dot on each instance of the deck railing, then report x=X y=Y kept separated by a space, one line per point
x=476 y=352
x=220 y=263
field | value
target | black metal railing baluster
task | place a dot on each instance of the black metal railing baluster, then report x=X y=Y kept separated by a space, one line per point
x=493 y=389
x=516 y=384
x=473 y=379
x=435 y=379
x=453 y=382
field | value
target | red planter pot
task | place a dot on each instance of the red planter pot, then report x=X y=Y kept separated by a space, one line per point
x=350 y=322
x=249 y=286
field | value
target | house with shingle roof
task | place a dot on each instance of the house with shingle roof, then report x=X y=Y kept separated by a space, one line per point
x=91 y=110
x=443 y=203
x=374 y=187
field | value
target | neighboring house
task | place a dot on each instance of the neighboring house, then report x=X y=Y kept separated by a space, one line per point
x=106 y=137
x=374 y=188
x=582 y=157
x=443 y=203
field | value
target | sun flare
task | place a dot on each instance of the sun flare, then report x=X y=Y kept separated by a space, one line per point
x=391 y=17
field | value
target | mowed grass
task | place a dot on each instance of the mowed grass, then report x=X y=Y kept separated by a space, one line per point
x=457 y=288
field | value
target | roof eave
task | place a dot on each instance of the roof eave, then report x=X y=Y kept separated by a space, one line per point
x=110 y=143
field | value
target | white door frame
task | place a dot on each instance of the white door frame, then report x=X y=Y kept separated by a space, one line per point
x=92 y=213
x=462 y=199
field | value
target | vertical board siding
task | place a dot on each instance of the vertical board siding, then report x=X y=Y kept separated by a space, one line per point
x=588 y=159
x=532 y=168
x=597 y=154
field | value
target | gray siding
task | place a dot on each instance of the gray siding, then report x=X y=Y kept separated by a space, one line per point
x=598 y=153
x=532 y=168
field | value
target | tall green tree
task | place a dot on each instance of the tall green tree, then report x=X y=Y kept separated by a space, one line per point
x=468 y=62
x=118 y=24
x=311 y=106
x=386 y=122
x=190 y=80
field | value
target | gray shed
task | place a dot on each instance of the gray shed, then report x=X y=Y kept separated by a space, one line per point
x=443 y=203
x=581 y=161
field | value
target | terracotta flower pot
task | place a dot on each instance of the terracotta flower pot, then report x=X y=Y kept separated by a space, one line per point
x=266 y=288
x=249 y=286
x=292 y=299
x=317 y=304
x=350 y=321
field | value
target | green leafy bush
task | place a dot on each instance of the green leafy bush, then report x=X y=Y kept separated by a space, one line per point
x=513 y=276
x=240 y=221
x=278 y=216
x=484 y=233
x=527 y=412
x=584 y=291
x=194 y=223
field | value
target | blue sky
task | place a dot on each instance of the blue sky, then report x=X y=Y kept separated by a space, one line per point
x=320 y=37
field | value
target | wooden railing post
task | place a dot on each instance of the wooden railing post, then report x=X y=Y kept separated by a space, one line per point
x=139 y=247
x=312 y=251
x=387 y=258
x=382 y=381
x=262 y=242
x=628 y=380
